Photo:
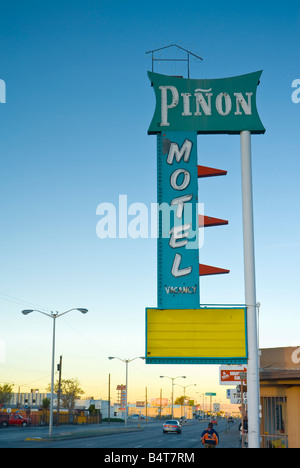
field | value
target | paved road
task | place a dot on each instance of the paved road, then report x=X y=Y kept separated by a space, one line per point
x=149 y=435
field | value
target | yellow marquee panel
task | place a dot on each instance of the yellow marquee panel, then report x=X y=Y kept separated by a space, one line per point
x=212 y=335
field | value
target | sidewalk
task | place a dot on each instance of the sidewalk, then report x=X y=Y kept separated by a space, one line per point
x=230 y=439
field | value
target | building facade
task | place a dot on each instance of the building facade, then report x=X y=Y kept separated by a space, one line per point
x=280 y=397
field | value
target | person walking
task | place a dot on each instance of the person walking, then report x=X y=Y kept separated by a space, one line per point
x=210 y=437
x=243 y=428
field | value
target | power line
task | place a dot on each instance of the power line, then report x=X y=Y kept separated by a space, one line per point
x=19 y=301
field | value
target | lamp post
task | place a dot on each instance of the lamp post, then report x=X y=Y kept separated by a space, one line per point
x=54 y=316
x=127 y=361
x=172 y=378
x=250 y=292
x=184 y=387
x=203 y=405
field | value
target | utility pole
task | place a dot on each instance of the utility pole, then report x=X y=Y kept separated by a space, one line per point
x=59 y=368
x=146 y=405
x=160 y=406
x=108 y=398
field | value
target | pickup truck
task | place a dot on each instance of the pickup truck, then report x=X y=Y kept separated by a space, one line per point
x=13 y=419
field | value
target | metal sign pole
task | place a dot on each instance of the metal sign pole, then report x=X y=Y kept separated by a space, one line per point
x=250 y=293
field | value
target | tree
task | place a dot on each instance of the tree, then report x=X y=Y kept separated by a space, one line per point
x=6 y=391
x=70 y=391
x=93 y=411
x=46 y=403
x=179 y=401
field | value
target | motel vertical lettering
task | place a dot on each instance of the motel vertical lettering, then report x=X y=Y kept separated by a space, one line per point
x=178 y=255
x=179 y=234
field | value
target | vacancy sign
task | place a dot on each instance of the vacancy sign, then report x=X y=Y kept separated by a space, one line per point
x=230 y=375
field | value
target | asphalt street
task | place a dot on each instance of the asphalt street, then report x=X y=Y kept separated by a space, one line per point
x=113 y=436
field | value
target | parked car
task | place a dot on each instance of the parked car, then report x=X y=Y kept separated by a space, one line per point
x=172 y=426
x=15 y=419
x=4 y=419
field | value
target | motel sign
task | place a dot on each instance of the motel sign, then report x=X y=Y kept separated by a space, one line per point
x=180 y=330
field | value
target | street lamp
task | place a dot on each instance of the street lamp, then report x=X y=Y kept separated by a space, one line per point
x=172 y=378
x=54 y=316
x=184 y=387
x=127 y=361
x=203 y=405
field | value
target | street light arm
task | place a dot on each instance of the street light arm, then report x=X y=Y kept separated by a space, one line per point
x=83 y=311
x=139 y=357
x=125 y=360
x=186 y=386
x=28 y=311
x=114 y=357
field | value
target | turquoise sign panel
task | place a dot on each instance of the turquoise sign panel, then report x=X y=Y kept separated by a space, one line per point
x=205 y=106
x=178 y=246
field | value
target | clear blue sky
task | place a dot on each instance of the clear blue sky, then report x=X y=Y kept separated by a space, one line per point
x=74 y=135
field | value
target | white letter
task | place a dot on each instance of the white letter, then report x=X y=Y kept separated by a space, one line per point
x=165 y=213
x=175 y=268
x=140 y=220
x=164 y=102
x=180 y=202
x=109 y=220
x=240 y=101
x=2 y=92
x=296 y=356
x=177 y=232
x=185 y=152
x=200 y=101
x=122 y=216
x=186 y=104
x=153 y=226
x=296 y=93
x=185 y=182
x=219 y=105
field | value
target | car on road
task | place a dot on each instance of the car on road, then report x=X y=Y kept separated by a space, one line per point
x=214 y=421
x=172 y=426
